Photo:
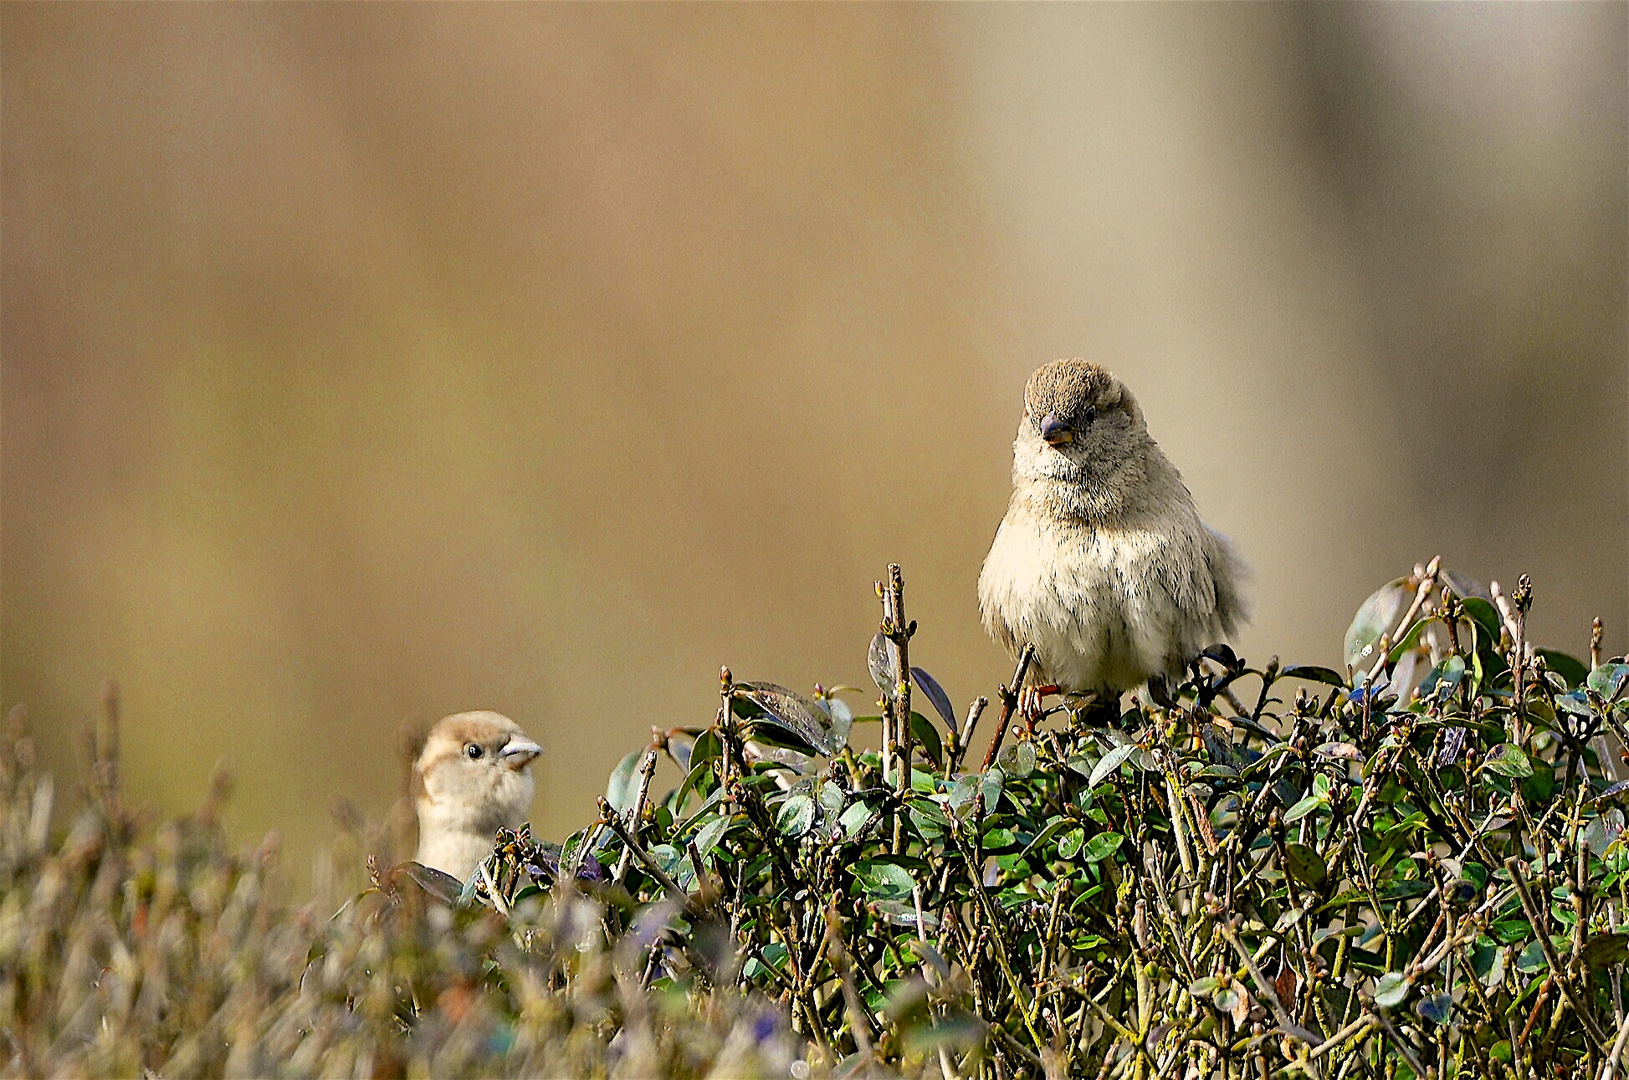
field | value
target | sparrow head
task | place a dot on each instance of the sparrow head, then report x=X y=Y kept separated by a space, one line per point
x=1080 y=425
x=473 y=775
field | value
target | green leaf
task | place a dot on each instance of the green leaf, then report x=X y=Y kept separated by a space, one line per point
x=1018 y=759
x=792 y=713
x=1374 y=618
x=1607 y=679
x=854 y=817
x=708 y=746
x=1568 y=667
x=1305 y=864
x=1111 y=762
x=1531 y=958
x=1311 y=673
x=999 y=839
x=708 y=836
x=883 y=879
x=1603 y=829
x=1576 y=702
x=1484 y=614
x=1391 y=990
x=990 y=785
x=1508 y=760
x=623 y=787
x=1069 y=844
x=963 y=792
x=928 y=818
x=927 y=738
x=879 y=660
x=1410 y=639
x=1303 y=808
x=1443 y=679
x=1053 y=828
x=796 y=816
x=1604 y=950
x=1103 y=845
x=1205 y=987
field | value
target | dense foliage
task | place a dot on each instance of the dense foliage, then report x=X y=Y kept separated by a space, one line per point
x=1409 y=868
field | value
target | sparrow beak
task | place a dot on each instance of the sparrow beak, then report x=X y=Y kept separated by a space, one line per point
x=1056 y=432
x=518 y=752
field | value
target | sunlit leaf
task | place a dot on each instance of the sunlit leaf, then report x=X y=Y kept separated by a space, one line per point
x=883 y=879
x=1102 y=846
x=1608 y=679
x=854 y=817
x=879 y=660
x=708 y=836
x=1576 y=702
x=790 y=712
x=623 y=787
x=1391 y=990
x=1018 y=759
x=1111 y=762
x=1508 y=760
x=1303 y=808
x=1374 y=618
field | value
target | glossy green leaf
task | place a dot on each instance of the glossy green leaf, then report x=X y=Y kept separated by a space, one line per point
x=883 y=879
x=1102 y=846
x=1508 y=760
x=1303 y=808
x=1018 y=759
x=796 y=816
x=1111 y=762
x=1391 y=990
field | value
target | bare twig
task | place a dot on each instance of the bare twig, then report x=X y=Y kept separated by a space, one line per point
x=1009 y=701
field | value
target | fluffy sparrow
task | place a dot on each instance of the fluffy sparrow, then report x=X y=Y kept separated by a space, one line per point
x=471 y=779
x=1102 y=563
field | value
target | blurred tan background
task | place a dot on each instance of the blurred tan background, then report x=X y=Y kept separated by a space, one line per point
x=366 y=363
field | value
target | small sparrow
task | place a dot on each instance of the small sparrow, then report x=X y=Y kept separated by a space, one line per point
x=471 y=779
x=1102 y=563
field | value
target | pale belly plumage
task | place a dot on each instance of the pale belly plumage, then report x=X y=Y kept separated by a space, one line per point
x=1105 y=608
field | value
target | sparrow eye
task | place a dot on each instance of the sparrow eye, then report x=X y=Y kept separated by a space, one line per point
x=1088 y=416
x=473 y=750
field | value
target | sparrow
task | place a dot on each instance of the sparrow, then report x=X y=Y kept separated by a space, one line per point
x=1101 y=562
x=472 y=778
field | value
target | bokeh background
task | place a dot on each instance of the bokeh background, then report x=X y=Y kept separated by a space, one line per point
x=366 y=363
